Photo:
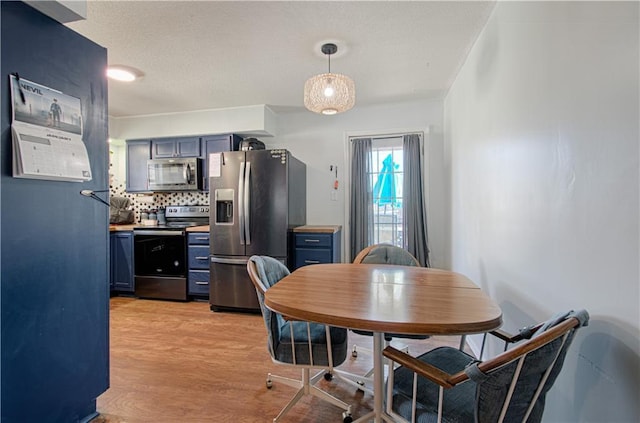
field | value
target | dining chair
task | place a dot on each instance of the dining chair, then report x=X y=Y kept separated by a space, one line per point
x=305 y=345
x=448 y=385
x=380 y=254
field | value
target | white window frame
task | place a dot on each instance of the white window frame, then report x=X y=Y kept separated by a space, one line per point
x=348 y=136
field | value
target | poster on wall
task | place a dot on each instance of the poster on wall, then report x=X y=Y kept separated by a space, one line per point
x=47 y=134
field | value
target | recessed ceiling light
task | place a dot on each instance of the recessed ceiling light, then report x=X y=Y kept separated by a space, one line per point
x=123 y=73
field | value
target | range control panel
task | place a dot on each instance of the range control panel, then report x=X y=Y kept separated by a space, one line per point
x=187 y=211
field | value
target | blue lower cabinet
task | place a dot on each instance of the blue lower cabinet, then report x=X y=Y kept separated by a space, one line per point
x=316 y=245
x=198 y=259
x=305 y=256
x=199 y=283
x=121 y=247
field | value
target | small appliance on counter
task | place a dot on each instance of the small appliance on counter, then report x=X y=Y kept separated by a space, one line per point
x=160 y=253
x=251 y=144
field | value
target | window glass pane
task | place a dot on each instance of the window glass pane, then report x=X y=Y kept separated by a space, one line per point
x=386 y=184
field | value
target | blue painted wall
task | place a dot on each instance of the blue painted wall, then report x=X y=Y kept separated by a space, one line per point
x=54 y=284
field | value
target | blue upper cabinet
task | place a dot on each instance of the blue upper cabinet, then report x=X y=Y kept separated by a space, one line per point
x=216 y=144
x=167 y=148
x=138 y=152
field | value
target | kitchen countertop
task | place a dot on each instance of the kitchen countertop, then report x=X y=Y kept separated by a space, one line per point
x=327 y=229
x=203 y=228
x=116 y=228
x=129 y=227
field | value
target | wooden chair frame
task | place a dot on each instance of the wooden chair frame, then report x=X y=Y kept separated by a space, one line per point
x=446 y=380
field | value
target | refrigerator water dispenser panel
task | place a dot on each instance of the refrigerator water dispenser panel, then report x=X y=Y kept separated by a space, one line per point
x=224 y=206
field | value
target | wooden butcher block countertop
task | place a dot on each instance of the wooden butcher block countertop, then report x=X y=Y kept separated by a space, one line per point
x=203 y=228
x=116 y=228
x=325 y=229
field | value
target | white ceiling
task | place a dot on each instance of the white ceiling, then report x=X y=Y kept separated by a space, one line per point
x=215 y=54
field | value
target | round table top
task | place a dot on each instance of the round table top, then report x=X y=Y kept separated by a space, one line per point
x=385 y=298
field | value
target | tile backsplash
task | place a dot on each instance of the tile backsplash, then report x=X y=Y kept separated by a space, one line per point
x=156 y=200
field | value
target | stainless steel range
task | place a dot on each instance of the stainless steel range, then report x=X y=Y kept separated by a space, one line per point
x=160 y=252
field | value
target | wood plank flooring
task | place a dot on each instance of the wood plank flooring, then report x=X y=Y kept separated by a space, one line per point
x=180 y=362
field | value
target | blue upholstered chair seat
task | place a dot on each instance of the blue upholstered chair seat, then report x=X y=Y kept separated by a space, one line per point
x=283 y=350
x=458 y=401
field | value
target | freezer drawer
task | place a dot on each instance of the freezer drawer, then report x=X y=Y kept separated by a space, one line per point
x=230 y=287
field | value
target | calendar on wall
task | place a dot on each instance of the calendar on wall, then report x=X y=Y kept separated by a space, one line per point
x=47 y=134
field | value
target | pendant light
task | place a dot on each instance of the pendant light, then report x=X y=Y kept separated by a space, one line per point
x=329 y=93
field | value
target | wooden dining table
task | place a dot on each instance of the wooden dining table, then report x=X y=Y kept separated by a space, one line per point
x=384 y=298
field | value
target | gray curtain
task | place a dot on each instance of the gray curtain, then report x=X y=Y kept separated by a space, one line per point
x=414 y=212
x=361 y=211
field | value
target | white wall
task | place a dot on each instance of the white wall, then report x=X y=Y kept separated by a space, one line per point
x=319 y=141
x=541 y=136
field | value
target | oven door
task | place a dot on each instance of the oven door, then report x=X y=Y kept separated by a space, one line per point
x=159 y=253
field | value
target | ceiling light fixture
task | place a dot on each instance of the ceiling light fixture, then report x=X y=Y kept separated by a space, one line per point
x=329 y=93
x=123 y=73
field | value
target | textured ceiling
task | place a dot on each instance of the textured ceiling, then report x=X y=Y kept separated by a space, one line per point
x=214 y=54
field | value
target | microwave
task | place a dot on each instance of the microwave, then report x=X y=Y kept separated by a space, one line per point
x=180 y=174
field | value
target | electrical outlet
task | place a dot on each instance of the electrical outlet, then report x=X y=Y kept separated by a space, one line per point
x=334 y=196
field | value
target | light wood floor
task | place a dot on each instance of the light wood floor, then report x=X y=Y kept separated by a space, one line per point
x=180 y=362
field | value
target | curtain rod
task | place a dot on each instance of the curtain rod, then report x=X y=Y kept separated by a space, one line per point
x=391 y=135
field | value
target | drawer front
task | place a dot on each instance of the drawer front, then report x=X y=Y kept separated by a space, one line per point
x=198 y=238
x=306 y=256
x=198 y=257
x=308 y=240
x=199 y=282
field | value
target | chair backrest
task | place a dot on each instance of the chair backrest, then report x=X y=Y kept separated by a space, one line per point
x=264 y=272
x=512 y=386
x=386 y=254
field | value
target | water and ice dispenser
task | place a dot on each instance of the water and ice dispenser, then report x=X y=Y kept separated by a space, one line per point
x=224 y=206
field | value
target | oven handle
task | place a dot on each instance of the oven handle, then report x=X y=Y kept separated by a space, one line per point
x=156 y=232
x=229 y=260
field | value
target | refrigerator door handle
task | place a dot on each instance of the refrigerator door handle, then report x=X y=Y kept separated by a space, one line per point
x=247 y=204
x=240 y=203
x=229 y=260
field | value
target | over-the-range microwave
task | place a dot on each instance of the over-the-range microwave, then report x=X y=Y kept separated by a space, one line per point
x=179 y=174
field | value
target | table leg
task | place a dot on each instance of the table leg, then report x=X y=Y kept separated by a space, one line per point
x=377 y=415
x=378 y=376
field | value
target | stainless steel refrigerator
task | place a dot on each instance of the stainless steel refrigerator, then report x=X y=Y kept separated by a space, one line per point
x=256 y=197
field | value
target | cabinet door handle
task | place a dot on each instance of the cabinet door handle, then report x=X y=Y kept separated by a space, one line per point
x=311 y=240
x=202 y=238
x=202 y=283
x=312 y=262
x=202 y=258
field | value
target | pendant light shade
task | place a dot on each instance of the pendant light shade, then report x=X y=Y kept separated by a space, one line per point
x=329 y=93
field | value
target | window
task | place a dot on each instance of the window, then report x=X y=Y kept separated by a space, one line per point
x=386 y=200
x=386 y=179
